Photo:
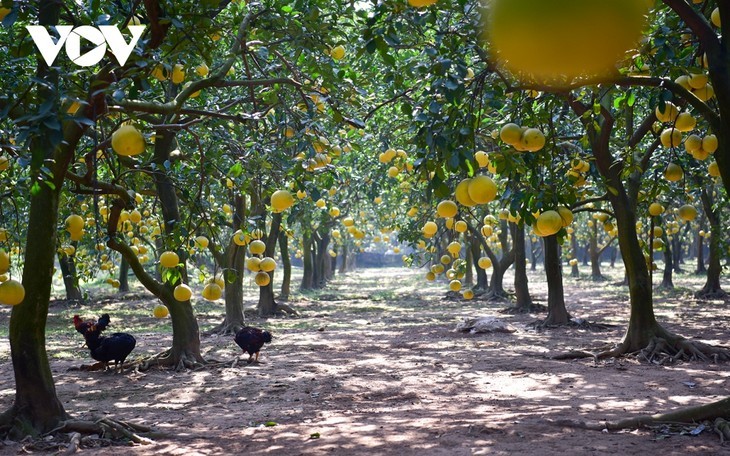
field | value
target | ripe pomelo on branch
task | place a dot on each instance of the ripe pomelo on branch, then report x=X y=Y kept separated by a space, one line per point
x=554 y=42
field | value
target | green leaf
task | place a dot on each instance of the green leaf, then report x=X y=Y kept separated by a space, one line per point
x=270 y=423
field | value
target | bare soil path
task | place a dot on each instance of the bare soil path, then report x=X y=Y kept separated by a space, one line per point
x=374 y=366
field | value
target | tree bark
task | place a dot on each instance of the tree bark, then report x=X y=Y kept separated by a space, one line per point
x=574 y=272
x=308 y=262
x=557 y=313
x=595 y=254
x=712 y=287
x=36 y=408
x=70 y=277
x=522 y=291
x=124 y=276
x=476 y=253
x=266 y=305
x=286 y=266
x=667 y=282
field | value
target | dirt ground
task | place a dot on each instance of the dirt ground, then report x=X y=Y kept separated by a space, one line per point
x=373 y=366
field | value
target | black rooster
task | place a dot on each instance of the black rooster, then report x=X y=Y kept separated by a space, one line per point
x=114 y=347
x=251 y=340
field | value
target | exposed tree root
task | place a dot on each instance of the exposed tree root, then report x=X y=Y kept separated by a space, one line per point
x=491 y=296
x=577 y=323
x=532 y=308
x=711 y=294
x=166 y=360
x=100 y=366
x=72 y=435
x=224 y=329
x=661 y=350
x=716 y=412
x=285 y=309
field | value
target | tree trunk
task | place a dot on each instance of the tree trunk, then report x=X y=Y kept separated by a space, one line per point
x=321 y=265
x=470 y=263
x=124 y=276
x=595 y=254
x=557 y=313
x=36 y=408
x=344 y=258
x=574 y=272
x=286 y=265
x=701 y=269
x=307 y=260
x=712 y=288
x=476 y=253
x=70 y=277
x=266 y=305
x=667 y=282
x=522 y=291
x=185 y=349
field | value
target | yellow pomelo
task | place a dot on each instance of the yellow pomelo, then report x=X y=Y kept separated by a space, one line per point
x=693 y=143
x=281 y=200
x=671 y=137
x=467 y=294
x=430 y=276
x=540 y=40
x=262 y=279
x=713 y=170
x=510 y=133
x=253 y=264
x=212 y=292
x=178 y=73
x=159 y=72
x=533 y=139
x=74 y=223
x=201 y=242
x=709 y=143
x=4 y=261
x=430 y=228
x=240 y=238
x=658 y=231
x=565 y=215
x=683 y=81
x=484 y=263
x=454 y=248
x=668 y=114
x=455 y=285
x=447 y=208
x=338 y=52
x=656 y=209
x=482 y=189
x=445 y=259
x=334 y=211
x=5 y=11
x=549 y=223
x=4 y=163
x=673 y=173
x=449 y=223
x=460 y=226
x=697 y=81
x=715 y=17
x=461 y=193
x=169 y=259
x=687 y=212
x=182 y=292
x=421 y=3
x=704 y=93
x=481 y=158
x=573 y=262
x=685 y=122
x=257 y=247
x=202 y=70
x=348 y=221
x=161 y=311
x=11 y=293
x=267 y=264
x=128 y=141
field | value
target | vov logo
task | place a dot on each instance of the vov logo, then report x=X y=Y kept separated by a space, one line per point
x=103 y=36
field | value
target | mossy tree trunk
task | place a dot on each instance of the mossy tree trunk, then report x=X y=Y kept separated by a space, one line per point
x=36 y=407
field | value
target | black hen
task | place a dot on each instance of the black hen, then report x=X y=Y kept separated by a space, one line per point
x=251 y=340
x=114 y=347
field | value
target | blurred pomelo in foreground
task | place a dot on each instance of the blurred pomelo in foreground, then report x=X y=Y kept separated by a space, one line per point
x=553 y=42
